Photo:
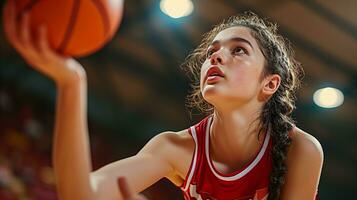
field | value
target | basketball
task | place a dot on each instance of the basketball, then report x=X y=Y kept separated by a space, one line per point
x=75 y=27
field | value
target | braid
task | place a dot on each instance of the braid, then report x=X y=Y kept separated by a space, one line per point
x=276 y=112
x=281 y=141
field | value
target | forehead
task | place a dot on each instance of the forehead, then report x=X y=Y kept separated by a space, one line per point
x=237 y=31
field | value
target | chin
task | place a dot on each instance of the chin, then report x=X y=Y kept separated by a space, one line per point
x=216 y=97
x=212 y=96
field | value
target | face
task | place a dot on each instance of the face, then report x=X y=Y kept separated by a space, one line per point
x=235 y=52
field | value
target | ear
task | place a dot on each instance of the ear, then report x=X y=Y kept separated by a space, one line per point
x=270 y=85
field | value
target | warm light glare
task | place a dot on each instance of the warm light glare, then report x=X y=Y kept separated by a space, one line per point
x=328 y=97
x=176 y=8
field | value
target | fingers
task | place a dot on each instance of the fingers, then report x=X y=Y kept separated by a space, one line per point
x=20 y=37
x=9 y=21
x=43 y=45
x=24 y=31
x=42 y=39
x=34 y=46
x=27 y=47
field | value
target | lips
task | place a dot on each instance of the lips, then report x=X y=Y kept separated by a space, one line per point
x=214 y=71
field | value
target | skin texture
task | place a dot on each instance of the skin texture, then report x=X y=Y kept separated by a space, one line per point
x=237 y=99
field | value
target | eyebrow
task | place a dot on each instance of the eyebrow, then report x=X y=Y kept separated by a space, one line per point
x=238 y=39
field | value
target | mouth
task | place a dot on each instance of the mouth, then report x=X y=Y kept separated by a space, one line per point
x=213 y=74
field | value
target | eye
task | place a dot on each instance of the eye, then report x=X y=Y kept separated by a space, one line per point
x=209 y=52
x=239 y=51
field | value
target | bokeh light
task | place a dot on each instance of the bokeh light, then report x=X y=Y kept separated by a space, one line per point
x=176 y=8
x=328 y=97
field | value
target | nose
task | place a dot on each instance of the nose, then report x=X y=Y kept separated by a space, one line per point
x=217 y=58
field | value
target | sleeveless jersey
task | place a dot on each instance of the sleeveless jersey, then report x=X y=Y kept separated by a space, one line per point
x=204 y=182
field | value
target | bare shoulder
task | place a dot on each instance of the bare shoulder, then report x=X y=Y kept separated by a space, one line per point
x=304 y=164
x=178 y=137
x=170 y=145
x=172 y=139
x=176 y=148
x=180 y=144
x=305 y=143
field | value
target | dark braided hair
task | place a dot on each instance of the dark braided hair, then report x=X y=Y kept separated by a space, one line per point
x=276 y=112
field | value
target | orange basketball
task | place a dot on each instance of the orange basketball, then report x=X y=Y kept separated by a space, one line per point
x=75 y=27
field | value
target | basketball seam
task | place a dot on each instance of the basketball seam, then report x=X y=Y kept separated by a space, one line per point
x=70 y=26
x=103 y=14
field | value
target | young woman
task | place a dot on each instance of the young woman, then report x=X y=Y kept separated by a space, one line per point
x=245 y=79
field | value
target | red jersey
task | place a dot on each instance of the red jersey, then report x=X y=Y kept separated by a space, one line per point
x=203 y=181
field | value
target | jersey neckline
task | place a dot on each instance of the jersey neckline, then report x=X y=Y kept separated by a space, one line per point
x=237 y=174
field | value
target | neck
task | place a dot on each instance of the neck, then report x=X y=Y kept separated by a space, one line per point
x=234 y=134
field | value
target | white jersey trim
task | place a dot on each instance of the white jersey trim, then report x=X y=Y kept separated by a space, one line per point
x=246 y=170
x=193 y=164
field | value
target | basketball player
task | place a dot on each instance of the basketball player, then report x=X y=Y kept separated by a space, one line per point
x=247 y=147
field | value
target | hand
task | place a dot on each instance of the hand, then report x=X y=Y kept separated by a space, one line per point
x=39 y=55
x=126 y=192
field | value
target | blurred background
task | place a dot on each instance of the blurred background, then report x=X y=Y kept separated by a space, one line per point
x=136 y=90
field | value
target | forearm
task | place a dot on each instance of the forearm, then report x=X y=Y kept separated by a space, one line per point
x=71 y=153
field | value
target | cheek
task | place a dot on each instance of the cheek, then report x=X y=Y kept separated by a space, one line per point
x=240 y=76
x=245 y=80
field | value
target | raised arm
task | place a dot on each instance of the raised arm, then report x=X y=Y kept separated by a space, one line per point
x=71 y=158
x=71 y=153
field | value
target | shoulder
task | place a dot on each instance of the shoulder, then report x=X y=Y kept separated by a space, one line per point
x=304 y=164
x=174 y=148
x=168 y=144
x=303 y=143
x=172 y=138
